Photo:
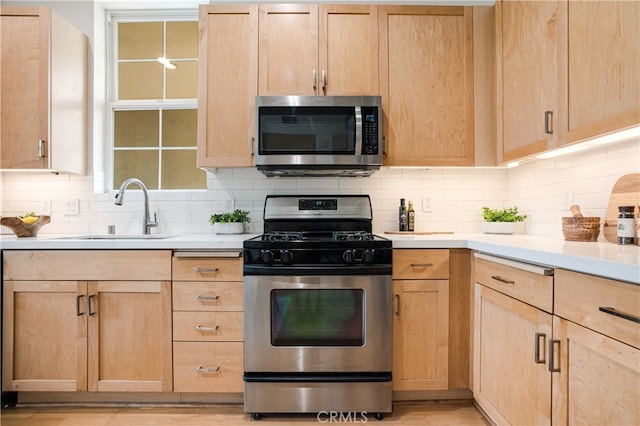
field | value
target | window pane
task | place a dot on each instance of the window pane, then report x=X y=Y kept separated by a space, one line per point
x=182 y=82
x=179 y=170
x=140 y=40
x=136 y=128
x=182 y=40
x=140 y=80
x=140 y=164
x=179 y=128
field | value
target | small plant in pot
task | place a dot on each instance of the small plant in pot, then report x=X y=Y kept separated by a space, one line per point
x=501 y=221
x=230 y=223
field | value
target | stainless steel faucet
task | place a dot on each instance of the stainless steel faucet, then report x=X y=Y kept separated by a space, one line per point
x=147 y=223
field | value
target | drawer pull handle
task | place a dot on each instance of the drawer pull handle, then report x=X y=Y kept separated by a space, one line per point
x=502 y=280
x=552 y=345
x=201 y=297
x=539 y=359
x=205 y=328
x=202 y=369
x=421 y=265
x=203 y=270
x=624 y=315
x=398 y=309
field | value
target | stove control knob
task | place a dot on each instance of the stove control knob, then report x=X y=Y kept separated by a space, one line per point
x=266 y=256
x=349 y=256
x=367 y=256
x=286 y=256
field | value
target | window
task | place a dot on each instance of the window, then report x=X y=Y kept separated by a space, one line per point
x=153 y=108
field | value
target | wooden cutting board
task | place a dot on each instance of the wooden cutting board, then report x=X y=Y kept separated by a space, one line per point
x=417 y=232
x=626 y=192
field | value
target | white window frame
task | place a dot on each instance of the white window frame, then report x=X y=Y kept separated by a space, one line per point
x=112 y=104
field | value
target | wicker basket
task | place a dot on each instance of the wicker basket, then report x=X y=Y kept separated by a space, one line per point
x=581 y=228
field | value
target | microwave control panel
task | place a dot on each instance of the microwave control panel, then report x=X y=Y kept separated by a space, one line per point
x=370 y=145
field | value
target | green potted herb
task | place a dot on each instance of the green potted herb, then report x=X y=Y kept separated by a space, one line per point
x=230 y=223
x=501 y=221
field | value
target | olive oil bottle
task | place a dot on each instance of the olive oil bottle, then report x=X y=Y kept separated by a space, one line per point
x=411 y=217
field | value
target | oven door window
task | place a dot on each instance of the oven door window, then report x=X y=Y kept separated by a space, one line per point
x=317 y=317
x=307 y=130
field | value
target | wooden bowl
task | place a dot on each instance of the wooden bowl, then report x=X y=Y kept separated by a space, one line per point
x=581 y=228
x=22 y=229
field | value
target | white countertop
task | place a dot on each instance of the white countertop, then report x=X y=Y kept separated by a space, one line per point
x=602 y=258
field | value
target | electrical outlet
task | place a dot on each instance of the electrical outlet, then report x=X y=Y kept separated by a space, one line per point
x=228 y=205
x=426 y=204
x=71 y=207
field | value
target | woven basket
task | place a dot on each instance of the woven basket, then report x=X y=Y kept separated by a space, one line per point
x=581 y=228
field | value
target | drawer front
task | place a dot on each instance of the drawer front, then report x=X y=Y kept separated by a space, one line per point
x=208 y=326
x=207 y=296
x=410 y=264
x=87 y=265
x=519 y=282
x=580 y=297
x=207 y=269
x=207 y=367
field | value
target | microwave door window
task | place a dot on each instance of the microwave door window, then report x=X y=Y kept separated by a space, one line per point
x=309 y=130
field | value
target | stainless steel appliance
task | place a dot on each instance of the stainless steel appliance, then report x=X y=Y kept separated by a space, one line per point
x=318 y=309
x=318 y=135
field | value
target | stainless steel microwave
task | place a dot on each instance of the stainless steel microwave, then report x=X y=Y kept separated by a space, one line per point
x=318 y=135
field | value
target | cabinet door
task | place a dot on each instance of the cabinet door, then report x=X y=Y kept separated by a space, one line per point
x=603 y=69
x=526 y=54
x=288 y=48
x=420 y=334
x=227 y=85
x=511 y=382
x=44 y=336
x=130 y=336
x=24 y=80
x=348 y=50
x=599 y=378
x=426 y=83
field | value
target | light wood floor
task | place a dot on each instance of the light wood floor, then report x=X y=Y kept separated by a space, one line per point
x=404 y=413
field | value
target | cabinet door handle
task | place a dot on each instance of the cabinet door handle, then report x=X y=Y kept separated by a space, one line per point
x=78 y=299
x=202 y=270
x=314 y=80
x=502 y=280
x=205 y=328
x=384 y=146
x=538 y=358
x=201 y=297
x=548 y=122
x=89 y=299
x=41 y=150
x=398 y=302
x=421 y=265
x=616 y=313
x=552 y=345
x=324 y=82
x=202 y=369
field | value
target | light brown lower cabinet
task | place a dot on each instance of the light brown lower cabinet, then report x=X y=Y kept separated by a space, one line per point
x=76 y=332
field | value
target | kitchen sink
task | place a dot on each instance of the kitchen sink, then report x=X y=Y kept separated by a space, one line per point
x=117 y=237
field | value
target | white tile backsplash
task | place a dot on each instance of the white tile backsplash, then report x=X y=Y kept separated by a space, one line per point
x=543 y=190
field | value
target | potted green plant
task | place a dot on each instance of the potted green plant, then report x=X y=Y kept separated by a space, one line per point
x=230 y=223
x=501 y=221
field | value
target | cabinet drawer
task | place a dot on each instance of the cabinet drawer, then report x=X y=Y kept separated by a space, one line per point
x=87 y=265
x=207 y=269
x=411 y=264
x=580 y=297
x=207 y=367
x=208 y=326
x=525 y=282
x=207 y=296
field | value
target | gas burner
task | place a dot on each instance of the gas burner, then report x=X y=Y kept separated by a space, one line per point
x=282 y=236
x=352 y=236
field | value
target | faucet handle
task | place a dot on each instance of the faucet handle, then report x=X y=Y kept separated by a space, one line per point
x=155 y=220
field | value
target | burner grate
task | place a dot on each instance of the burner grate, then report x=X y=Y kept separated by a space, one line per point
x=352 y=236
x=274 y=236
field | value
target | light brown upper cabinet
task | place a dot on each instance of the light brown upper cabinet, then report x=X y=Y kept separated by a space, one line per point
x=44 y=91
x=526 y=66
x=227 y=85
x=308 y=49
x=566 y=72
x=426 y=83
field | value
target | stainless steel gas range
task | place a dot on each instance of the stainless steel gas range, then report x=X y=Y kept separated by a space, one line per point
x=318 y=315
